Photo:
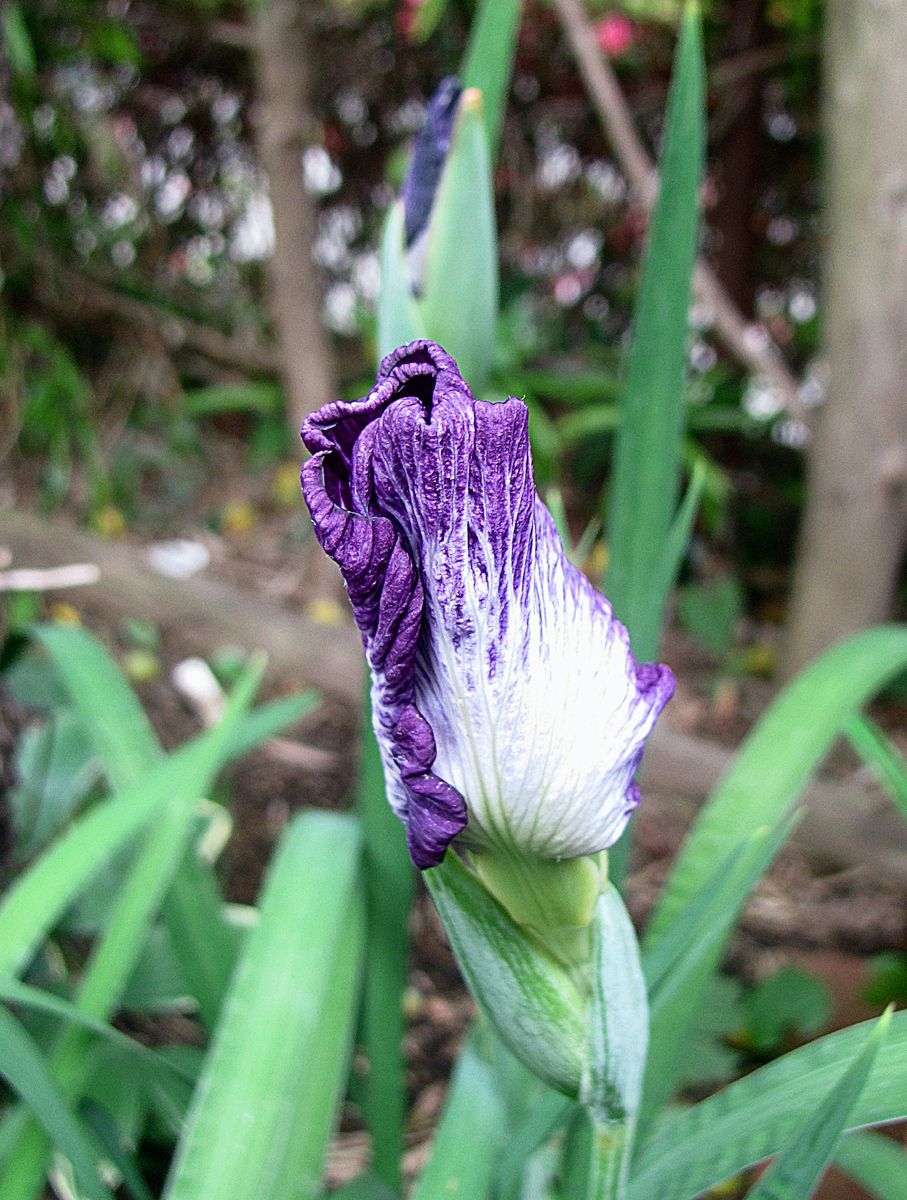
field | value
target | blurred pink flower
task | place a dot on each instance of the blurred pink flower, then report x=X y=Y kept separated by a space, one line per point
x=616 y=34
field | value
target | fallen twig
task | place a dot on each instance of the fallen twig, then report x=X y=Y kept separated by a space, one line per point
x=48 y=579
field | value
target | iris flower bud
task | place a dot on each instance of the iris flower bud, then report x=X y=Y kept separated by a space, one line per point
x=510 y=712
x=424 y=175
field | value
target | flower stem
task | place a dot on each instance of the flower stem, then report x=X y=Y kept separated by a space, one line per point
x=609 y=1159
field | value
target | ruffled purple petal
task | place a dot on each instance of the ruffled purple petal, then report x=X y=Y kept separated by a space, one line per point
x=499 y=673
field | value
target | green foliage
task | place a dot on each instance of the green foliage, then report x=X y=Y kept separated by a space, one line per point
x=799 y=1166
x=753 y=802
x=24 y=1068
x=474 y=1115
x=278 y=1061
x=791 y=1001
x=488 y=63
x=17 y=43
x=459 y=302
x=389 y=888
x=154 y=811
x=879 y=752
x=887 y=982
x=711 y=612
x=647 y=454
x=701 y=1146
x=399 y=320
x=876 y=1162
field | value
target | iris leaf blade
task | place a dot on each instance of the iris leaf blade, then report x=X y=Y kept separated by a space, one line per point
x=779 y=756
x=682 y=961
x=474 y=1116
x=649 y=441
x=459 y=302
x=113 y=958
x=753 y=1118
x=34 y=903
x=771 y=768
x=389 y=888
x=399 y=321
x=265 y=1059
x=128 y=746
x=12 y=991
x=25 y=1069
x=800 y=1165
x=122 y=734
x=679 y=534
x=488 y=63
x=879 y=752
x=876 y=1162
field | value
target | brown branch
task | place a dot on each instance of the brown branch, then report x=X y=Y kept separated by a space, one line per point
x=748 y=343
x=69 y=292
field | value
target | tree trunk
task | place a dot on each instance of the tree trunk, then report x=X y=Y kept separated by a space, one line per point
x=739 y=155
x=855 y=522
x=282 y=57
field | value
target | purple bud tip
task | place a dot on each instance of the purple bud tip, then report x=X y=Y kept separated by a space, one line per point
x=429 y=155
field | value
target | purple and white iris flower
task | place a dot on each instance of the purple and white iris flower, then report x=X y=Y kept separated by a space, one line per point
x=510 y=712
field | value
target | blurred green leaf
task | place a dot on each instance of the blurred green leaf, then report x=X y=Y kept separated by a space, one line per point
x=24 y=1068
x=35 y=901
x=648 y=447
x=701 y=1146
x=773 y=765
x=488 y=64
x=568 y=386
x=105 y=1130
x=706 y=921
x=366 y=1187
x=389 y=887
x=473 y=1117
x=112 y=41
x=681 y=964
x=277 y=1062
x=678 y=538
x=114 y=956
x=109 y=708
x=253 y=396
x=711 y=611
x=879 y=752
x=800 y=1165
x=425 y=18
x=876 y=1162
x=780 y=754
x=459 y=301
x=588 y=422
x=13 y=991
x=157 y=983
x=887 y=980
x=546 y=1117
x=57 y=768
x=20 y=52
x=399 y=320
x=788 y=1001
